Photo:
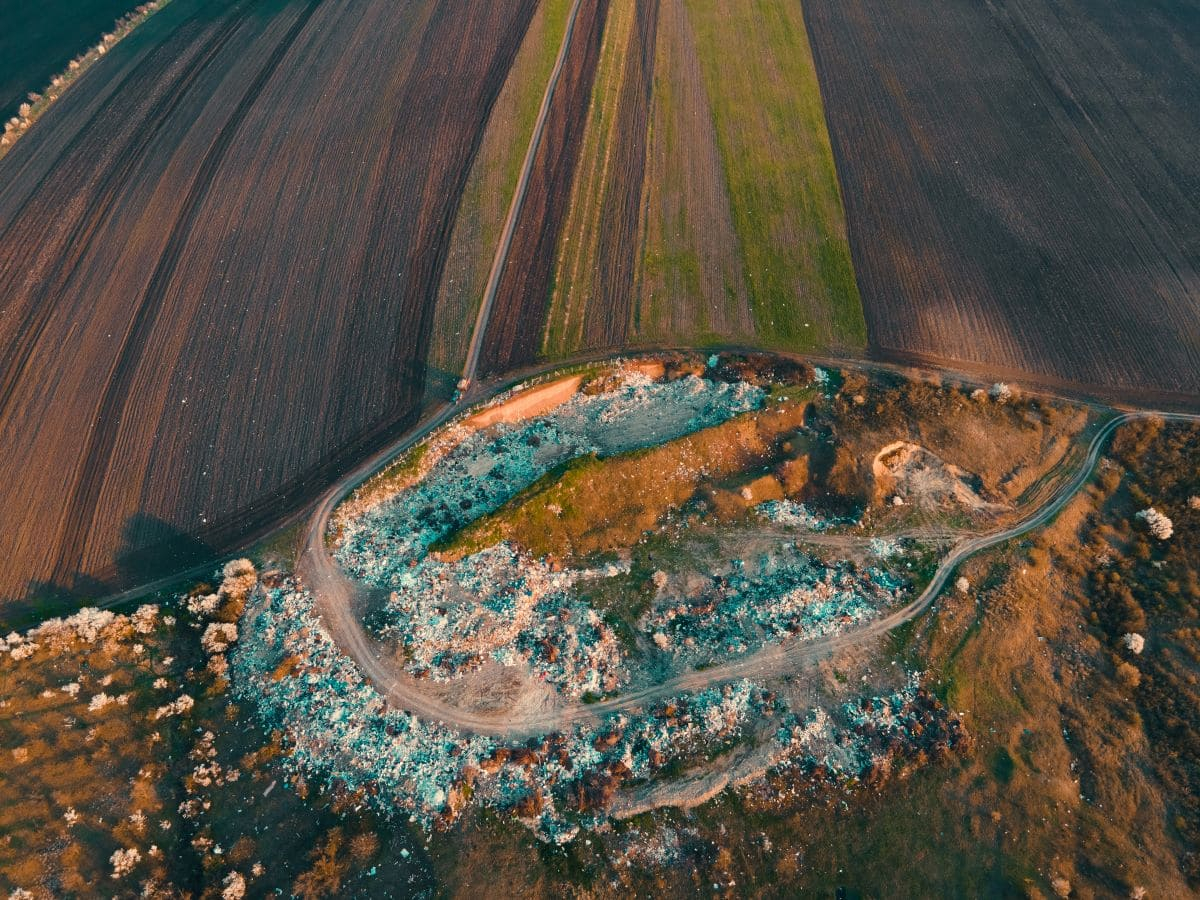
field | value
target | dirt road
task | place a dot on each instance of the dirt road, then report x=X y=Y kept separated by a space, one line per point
x=518 y=201
x=335 y=595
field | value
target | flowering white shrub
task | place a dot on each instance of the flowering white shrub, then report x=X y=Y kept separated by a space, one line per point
x=123 y=861
x=204 y=605
x=218 y=636
x=1133 y=642
x=1001 y=392
x=89 y=622
x=240 y=578
x=234 y=887
x=1194 y=502
x=178 y=706
x=99 y=701
x=144 y=618
x=1160 y=526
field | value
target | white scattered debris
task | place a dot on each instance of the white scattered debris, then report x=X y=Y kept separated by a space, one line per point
x=883 y=548
x=1160 y=526
x=791 y=514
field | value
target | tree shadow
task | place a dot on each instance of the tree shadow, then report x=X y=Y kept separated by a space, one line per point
x=150 y=549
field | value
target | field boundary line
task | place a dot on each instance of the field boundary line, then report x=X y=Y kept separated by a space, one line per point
x=518 y=203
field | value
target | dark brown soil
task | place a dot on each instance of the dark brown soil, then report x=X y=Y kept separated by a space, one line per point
x=618 y=250
x=517 y=318
x=1022 y=182
x=220 y=253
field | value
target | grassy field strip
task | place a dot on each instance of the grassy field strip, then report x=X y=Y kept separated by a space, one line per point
x=564 y=322
x=691 y=283
x=490 y=186
x=787 y=206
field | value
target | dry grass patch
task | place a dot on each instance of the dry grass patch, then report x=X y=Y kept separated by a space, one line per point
x=594 y=505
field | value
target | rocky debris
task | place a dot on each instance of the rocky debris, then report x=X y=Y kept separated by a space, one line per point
x=500 y=605
x=340 y=728
x=873 y=738
x=504 y=606
x=791 y=514
x=478 y=471
x=783 y=594
x=909 y=472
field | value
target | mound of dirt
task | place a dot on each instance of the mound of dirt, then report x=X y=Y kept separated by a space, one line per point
x=915 y=474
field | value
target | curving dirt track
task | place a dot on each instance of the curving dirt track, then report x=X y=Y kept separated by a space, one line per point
x=1022 y=185
x=336 y=601
x=219 y=254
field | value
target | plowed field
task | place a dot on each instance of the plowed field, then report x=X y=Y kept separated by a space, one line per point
x=1022 y=183
x=220 y=253
x=695 y=197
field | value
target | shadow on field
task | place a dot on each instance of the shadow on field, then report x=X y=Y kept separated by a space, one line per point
x=150 y=549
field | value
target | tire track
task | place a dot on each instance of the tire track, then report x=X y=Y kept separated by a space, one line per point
x=81 y=235
x=98 y=453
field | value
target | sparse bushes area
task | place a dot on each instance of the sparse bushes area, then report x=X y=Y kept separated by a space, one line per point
x=127 y=770
x=1146 y=580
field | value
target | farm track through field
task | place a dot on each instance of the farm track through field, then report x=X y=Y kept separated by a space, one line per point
x=190 y=383
x=516 y=318
x=500 y=258
x=337 y=602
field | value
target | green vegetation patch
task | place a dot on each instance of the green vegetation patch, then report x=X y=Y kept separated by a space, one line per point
x=787 y=205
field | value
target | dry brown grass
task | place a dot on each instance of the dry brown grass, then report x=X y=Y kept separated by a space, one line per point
x=1009 y=446
x=608 y=504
